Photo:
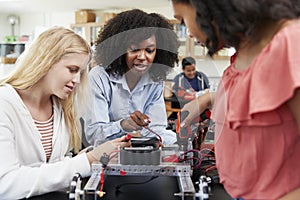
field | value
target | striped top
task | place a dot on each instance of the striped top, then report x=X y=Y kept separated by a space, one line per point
x=46 y=130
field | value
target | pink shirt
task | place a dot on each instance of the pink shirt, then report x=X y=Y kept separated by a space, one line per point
x=257 y=140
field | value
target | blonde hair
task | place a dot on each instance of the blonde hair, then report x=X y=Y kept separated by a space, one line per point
x=48 y=49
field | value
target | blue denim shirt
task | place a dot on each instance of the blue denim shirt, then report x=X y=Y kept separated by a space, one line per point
x=112 y=101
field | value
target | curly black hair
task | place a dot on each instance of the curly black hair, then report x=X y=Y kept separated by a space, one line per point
x=236 y=18
x=132 y=27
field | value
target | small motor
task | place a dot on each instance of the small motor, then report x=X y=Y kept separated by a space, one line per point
x=144 y=151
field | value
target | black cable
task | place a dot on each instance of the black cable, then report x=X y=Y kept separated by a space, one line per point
x=140 y=183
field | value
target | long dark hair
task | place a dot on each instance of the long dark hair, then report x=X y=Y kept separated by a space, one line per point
x=236 y=18
x=131 y=27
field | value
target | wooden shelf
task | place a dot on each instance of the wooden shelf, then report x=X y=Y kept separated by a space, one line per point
x=88 y=31
x=189 y=47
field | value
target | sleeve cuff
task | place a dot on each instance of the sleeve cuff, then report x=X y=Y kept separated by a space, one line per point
x=82 y=162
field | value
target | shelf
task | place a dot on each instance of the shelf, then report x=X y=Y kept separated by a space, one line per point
x=13 y=43
x=10 y=51
x=189 y=47
x=88 y=31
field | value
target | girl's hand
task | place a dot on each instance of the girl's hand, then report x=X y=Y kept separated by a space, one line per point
x=107 y=147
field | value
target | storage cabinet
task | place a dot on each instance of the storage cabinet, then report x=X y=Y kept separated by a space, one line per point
x=88 y=31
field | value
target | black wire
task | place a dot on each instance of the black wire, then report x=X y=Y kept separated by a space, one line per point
x=112 y=156
x=140 y=183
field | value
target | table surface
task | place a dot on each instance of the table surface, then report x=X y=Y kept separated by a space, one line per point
x=139 y=188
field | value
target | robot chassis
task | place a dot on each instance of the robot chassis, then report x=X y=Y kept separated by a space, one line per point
x=183 y=171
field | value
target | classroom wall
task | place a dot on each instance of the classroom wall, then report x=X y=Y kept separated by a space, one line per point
x=29 y=22
x=34 y=23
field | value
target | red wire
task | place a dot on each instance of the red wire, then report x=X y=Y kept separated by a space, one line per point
x=194 y=158
x=210 y=168
x=146 y=127
x=207 y=149
x=101 y=180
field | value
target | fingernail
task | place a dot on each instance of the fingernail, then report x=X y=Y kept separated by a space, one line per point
x=147 y=121
x=182 y=125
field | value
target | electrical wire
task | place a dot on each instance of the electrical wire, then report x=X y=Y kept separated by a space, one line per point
x=118 y=187
x=105 y=159
x=184 y=157
x=155 y=133
x=101 y=183
x=113 y=154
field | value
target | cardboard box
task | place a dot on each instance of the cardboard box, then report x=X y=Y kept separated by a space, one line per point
x=84 y=16
x=108 y=16
x=6 y=60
